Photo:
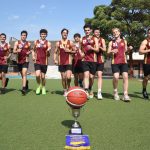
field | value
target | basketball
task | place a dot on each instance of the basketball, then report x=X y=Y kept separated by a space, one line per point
x=76 y=97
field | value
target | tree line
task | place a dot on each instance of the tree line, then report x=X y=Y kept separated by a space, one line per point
x=131 y=16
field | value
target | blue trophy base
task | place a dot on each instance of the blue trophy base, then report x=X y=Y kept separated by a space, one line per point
x=76 y=142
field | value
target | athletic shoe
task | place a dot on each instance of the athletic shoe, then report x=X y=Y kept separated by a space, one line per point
x=27 y=85
x=91 y=94
x=87 y=93
x=116 y=97
x=38 y=90
x=99 y=96
x=145 y=95
x=6 y=83
x=126 y=98
x=43 y=91
x=23 y=91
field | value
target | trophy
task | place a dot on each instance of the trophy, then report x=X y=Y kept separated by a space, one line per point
x=76 y=127
x=76 y=98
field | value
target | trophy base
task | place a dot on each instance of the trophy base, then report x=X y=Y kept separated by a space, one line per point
x=77 y=142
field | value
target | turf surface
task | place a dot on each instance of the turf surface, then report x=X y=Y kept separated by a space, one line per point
x=40 y=122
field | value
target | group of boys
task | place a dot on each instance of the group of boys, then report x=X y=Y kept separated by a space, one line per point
x=83 y=57
x=22 y=48
x=87 y=54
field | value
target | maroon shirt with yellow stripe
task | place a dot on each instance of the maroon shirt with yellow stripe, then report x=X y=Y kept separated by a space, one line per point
x=64 y=58
x=119 y=57
x=4 y=51
x=41 y=52
x=147 y=56
x=25 y=48
x=90 y=55
x=100 y=57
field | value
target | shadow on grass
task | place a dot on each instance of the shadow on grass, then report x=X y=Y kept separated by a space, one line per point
x=9 y=90
x=108 y=95
x=28 y=91
x=67 y=123
x=138 y=93
x=135 y=95
x=141 y=95
x=57 y=92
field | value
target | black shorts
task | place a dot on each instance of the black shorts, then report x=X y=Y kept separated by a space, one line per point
x=3 y=68
x=89 y=66
x=78 y=69
x=64 y=68
x=42 y=68
x=24 y=65
x=146 y=69
x=120 y=68
x=100 y=67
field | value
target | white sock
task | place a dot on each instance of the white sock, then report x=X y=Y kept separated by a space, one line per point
x=99 y=90
x=115 y=90
x=125 y=93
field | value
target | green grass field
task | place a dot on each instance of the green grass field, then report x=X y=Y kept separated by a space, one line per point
x=34 y=122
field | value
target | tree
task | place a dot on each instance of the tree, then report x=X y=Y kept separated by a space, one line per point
x=131 y=16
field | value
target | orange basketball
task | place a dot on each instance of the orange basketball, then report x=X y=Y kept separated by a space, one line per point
x=76 y=97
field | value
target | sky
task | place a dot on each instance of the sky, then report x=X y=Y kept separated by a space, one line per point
x=53 y=15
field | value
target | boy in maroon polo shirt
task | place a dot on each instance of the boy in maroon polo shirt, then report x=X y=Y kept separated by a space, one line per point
x=77 y=61
x=22 y=49
x=145 y=49
x=90 y=48
x=63 y=58
x=4 y=55
x=118 y=48
x=100 y=61
x=40 y=56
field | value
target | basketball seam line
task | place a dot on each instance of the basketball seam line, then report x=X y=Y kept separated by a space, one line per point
x=76 y=90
